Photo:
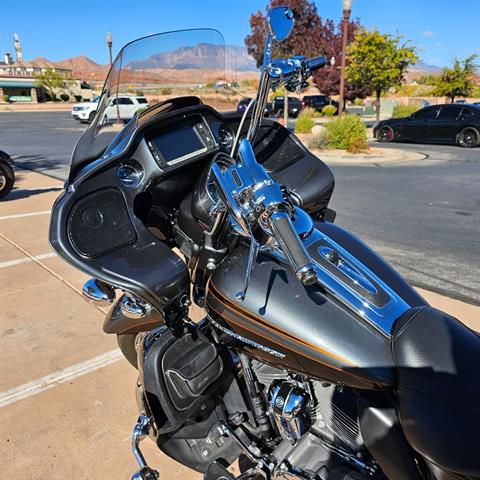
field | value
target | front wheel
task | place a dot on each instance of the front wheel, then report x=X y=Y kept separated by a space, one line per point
x=7 y=178
x=469 y=137
x=385 y=134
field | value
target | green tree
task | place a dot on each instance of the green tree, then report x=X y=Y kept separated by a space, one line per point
x=378 y=61
x=52 y=81
x=457 y=81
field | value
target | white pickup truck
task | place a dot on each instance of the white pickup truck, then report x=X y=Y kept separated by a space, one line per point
x=128 y=105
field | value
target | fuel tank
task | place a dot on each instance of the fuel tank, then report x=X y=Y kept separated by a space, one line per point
x=319 y=331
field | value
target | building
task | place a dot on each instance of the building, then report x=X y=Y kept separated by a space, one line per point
x=18 y=82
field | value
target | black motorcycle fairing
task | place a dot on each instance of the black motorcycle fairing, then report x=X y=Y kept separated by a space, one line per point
x=437 y=360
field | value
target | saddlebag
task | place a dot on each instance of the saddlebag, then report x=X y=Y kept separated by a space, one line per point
x=181 y=376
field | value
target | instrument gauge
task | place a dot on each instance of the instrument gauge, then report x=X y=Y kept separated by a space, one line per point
x=226 y=137
x=130 y=174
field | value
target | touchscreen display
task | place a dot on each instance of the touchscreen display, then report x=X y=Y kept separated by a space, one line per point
x=179 y=143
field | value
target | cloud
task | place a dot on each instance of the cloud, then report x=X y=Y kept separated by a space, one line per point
x=438 y=44
x=428 y=33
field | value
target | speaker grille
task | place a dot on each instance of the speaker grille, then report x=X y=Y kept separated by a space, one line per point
x=99 y=223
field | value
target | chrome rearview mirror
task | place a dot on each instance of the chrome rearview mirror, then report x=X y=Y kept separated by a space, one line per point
x=280 y=23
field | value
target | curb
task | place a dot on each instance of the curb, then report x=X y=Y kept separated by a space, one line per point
x=377 y=157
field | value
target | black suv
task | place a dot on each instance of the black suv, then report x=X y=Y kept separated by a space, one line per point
x=318 y=102
x=294 y=107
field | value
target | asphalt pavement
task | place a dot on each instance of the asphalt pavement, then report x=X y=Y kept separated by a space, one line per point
x=423 y=217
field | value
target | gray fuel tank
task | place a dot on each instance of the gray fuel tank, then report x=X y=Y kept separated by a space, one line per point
x=306 y=329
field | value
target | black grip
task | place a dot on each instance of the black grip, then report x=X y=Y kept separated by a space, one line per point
x=315 y=62
x=293 y=248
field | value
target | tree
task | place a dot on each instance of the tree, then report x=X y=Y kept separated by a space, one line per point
x=311 y=37
x=52 y=81
x=378 y=61
x=457 y=81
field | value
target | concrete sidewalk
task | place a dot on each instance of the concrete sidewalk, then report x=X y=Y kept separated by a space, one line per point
x=66 y=401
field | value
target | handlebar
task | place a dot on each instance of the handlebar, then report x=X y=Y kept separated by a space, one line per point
x=293 y=248
x=315 y=63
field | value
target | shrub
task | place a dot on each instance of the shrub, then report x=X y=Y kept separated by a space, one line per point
x=139 y=93
x=358 y=102
x=401 y=111
x=304 y=125
x=6 y=98
x=166 y=91
x=357 y=145
x=319 y=141
x=308 y=112
x=347 y=132
x=329 y=110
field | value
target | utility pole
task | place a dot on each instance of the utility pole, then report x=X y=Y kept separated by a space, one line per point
x=347 y=8
x=109 y=45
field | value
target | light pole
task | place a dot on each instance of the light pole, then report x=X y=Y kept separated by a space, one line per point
x=347 y=8
x=109 y=45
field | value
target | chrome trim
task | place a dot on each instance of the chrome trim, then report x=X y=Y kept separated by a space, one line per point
x=98 y=292
x=140 y=431
x=133 y=307
x=288 y=404
x=245 y=340
x=383 y=317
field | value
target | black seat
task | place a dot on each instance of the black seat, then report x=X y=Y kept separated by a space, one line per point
x=438 y=363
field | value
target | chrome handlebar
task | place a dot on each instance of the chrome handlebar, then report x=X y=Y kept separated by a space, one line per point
x=251 y=196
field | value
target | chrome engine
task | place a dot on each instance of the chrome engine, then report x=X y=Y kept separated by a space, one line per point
x=317 y=425
x=289 y=404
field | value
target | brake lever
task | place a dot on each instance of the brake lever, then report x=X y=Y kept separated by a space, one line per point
x=252 y=257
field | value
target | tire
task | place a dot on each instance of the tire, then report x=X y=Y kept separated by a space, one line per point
x=91 y=117
x=385 y=134
x=7 y=178
x=469 y=137
x=126 y=343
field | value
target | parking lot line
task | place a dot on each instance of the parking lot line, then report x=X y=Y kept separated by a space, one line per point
x=19 y=261
x=29 y=389
x=22 y=215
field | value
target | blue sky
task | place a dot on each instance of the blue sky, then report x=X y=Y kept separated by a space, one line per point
x=442 y=29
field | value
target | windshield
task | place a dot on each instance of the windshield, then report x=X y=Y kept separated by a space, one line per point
x=157 y=67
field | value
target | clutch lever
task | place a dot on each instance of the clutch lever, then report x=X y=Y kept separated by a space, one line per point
x=252 y=257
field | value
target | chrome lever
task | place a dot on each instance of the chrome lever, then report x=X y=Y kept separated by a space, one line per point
x=252 y=257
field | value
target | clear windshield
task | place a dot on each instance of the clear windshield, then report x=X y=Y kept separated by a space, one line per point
x=151 y=70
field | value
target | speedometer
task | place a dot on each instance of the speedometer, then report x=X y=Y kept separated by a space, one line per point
x=226 y=137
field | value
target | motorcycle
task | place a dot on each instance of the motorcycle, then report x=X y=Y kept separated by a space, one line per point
x=7 y=175
x=314 y=359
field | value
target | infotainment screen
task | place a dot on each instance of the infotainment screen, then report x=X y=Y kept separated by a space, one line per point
x=179 y=144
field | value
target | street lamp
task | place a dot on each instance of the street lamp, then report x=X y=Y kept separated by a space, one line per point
x=109 y=45
x=347 y=8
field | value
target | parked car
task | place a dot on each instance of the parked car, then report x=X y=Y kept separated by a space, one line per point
x=294 y=106
x=85 y=111
x=128 y=105
x=243 y=104
x=451 y=123
x=318 y=102
x=7 y=175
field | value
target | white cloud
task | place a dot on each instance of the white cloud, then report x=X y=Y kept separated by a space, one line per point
x=428 y=33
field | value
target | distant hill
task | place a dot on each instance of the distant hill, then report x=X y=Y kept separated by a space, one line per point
x=202 y=56
x=421 y=66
